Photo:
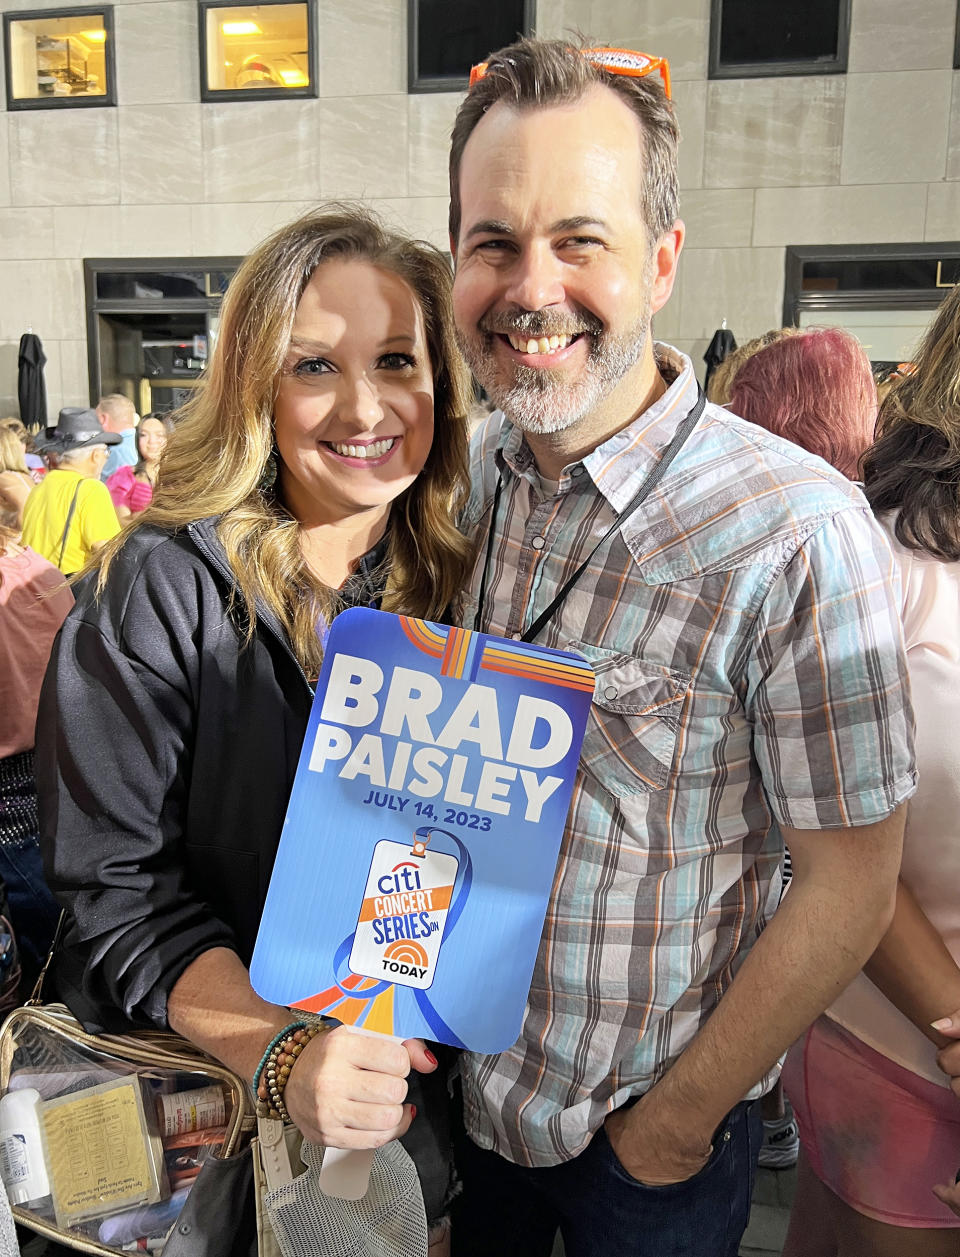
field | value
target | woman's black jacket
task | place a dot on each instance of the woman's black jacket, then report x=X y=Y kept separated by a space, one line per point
x=166 y=750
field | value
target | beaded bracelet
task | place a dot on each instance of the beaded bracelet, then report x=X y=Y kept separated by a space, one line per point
x=274 y=1069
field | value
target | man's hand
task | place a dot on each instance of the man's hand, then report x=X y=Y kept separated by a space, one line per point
x=948 y=1059
x=950 y=1195
x=651 y=1147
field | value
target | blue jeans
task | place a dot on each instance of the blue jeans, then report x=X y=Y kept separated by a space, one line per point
x=601 y=1211
x=33 y=909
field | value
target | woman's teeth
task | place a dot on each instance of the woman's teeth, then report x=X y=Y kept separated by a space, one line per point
x=543 y=345
x=375 y=449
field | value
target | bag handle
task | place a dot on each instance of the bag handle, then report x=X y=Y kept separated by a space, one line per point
x=36 y=995
x=66 y=527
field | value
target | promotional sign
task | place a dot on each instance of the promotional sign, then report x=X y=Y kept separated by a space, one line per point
x=422 y=833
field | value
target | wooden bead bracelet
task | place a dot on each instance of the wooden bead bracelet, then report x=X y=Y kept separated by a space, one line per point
x=278 y=1060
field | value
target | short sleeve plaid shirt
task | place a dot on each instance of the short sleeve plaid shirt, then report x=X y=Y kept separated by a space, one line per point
x=744 y=632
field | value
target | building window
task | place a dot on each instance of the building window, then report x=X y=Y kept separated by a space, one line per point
x=445 y=39
x=59 y=58
x=752 y=38
x=265 y=50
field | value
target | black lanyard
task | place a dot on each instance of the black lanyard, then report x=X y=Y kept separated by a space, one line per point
x=655 y=475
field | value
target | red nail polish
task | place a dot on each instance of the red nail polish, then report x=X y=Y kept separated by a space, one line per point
x=430 y=1056
x=413 y=1111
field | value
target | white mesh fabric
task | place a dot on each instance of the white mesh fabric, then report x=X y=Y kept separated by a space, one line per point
x=389 y=1221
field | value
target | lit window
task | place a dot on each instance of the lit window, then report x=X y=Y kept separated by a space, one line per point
x=59 y=58
x=263 y=50
x=446 y=37
x=751 y=38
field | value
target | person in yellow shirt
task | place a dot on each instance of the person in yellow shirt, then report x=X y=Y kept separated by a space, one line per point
x=71 y=513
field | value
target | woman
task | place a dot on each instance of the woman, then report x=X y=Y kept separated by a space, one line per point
x=814 y=388
x=879 y=1125
x=34 y=598
x=15 y=480
x=317 y=468
x=132 y=487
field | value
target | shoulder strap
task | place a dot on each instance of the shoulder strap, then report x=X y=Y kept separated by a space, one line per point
x=66 y=527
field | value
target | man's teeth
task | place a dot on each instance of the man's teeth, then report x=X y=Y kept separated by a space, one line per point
x=543 y=345
x=376 y=449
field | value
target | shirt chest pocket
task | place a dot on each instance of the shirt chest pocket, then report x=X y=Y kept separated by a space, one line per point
x=631 y=738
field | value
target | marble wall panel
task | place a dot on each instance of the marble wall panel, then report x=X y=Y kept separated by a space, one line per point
x=770 y=132
x=233 y=230
x=4 y=161
x=914 y=36
x=679 y=31
x=865 y=214
x=46 y=295
x=122 y=231
x=690 y=101
x=74 y=376
x=896 y=125
x=743 y=286
x=157 y=53
x=363 y=47
x=161 y=157
x=26 y=233
x=953 y=138
x=263 y=151
x=424 y=217
x=943 y=212
x=364 y=144
x=70 y=159
x=9 y=353
x=559 y=19
x=430 y=118
x=718 y=217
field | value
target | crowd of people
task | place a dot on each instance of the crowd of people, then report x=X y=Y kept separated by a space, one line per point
x=760 y=857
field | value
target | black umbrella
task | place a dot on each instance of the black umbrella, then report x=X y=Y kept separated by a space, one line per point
x=31 y=390
x=720 y=347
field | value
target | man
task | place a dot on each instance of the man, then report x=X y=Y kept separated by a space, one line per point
x=749 y=689
x=116 y=414
x=70 y=514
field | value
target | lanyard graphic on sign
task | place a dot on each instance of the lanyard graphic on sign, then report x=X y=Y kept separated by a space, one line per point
x=654 y=477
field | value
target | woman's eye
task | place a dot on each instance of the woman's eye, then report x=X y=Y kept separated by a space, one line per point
x=397 y=362
x=311 y=367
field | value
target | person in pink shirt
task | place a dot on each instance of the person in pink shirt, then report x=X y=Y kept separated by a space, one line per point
x=131 y=488
x=34 y=601
x=879 y=1123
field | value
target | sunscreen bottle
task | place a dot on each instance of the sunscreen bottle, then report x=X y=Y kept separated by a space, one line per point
x=22 y=1165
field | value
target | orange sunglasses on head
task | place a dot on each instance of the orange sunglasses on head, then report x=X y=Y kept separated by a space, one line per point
x=635 y=65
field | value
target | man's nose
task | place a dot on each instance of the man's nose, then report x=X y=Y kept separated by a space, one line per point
x=360 y=402
x=536 y=279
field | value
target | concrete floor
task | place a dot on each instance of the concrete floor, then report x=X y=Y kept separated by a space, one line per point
x=772 y=1198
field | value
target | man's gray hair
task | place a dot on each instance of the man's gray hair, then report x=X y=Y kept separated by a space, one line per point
x=78 y=453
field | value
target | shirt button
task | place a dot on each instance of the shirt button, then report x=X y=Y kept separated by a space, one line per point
x=576 y=471
x=538 y=543
x=610 y=692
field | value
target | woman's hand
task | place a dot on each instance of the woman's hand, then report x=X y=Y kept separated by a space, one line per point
x=948 y=1058
x=347 y=1090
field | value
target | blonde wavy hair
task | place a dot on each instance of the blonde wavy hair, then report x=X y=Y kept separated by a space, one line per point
x=215 y=461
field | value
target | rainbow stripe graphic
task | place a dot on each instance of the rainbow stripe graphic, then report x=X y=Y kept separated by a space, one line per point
x=521 y=660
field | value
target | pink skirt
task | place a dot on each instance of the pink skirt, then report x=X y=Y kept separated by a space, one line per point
x=876 y=1134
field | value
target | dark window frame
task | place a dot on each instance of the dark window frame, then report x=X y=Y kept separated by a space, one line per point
x=105 y=101
x=417 y=85
x=777 y=69
x=796 y=300
x=956 y=41
x=210 y=94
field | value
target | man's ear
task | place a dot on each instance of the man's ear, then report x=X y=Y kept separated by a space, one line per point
x=665 y=258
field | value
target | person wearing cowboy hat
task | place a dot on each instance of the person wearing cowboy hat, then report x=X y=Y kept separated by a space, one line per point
x=71 y=513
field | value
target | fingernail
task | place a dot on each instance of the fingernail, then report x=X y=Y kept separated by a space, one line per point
x=430 y=1056
x=413 y=1111
x=943 y=1024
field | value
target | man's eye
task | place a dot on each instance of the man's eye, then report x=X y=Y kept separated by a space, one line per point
x=397 y=362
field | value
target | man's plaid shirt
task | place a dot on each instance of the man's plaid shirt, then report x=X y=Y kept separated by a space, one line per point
x=744 y=631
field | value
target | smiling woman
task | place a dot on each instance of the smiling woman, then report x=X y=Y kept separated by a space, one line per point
x=318 y=467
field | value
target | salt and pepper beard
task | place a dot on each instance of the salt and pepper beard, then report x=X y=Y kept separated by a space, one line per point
x=539 y=400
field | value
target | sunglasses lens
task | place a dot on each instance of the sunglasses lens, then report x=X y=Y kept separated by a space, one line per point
x=615 y=59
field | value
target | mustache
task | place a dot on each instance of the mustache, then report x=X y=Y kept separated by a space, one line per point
x=537 y=323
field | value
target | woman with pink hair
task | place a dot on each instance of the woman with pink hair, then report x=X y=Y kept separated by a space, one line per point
x=814 y=388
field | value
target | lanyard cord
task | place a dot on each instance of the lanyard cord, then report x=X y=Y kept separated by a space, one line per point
x=656 y=474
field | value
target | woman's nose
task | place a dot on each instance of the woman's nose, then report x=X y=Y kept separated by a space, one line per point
x=360 y=402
